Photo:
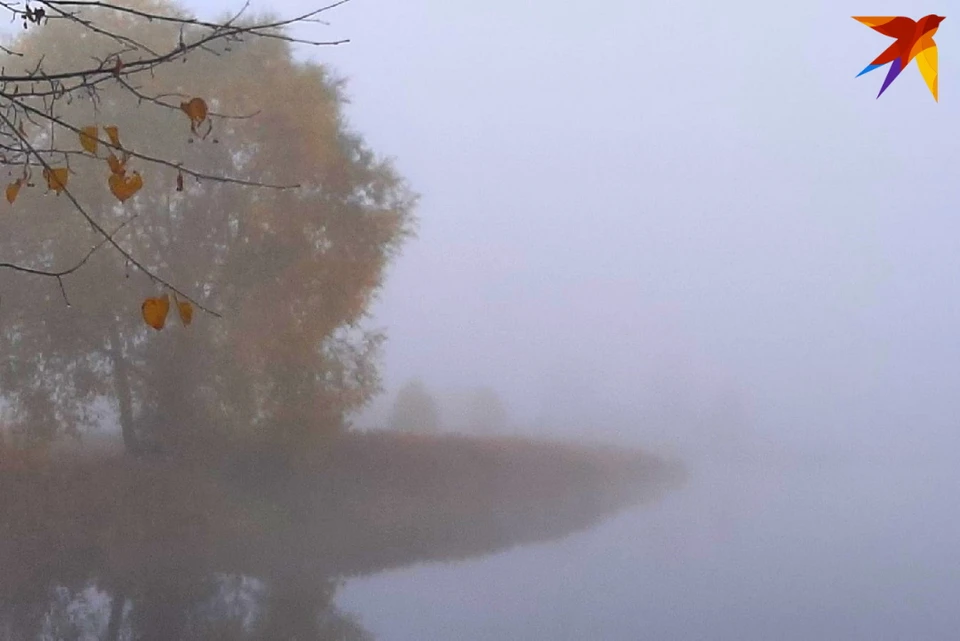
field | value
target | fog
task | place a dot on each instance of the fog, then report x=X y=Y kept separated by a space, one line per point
x=680 y=227
x=640 y=205
x=697 y=194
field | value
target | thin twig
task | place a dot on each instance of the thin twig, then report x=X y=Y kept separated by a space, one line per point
x=63 y=291
x=153 y=159
x=74 y=267
x=106 y=236
x=181 y=50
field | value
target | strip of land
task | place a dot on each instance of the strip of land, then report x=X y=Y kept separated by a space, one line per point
x=356 y=504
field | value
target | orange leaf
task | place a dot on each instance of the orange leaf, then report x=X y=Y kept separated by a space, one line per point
x=114 y=134
x=13 y=189
x=88 y=139
x=56 y=178
x=196 y=110
x=124 y=187
x=155 y=311
x=116 y=165
x=186 y=312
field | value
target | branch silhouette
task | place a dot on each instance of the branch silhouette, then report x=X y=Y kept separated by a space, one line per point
x=107 y=237
x=34 y=94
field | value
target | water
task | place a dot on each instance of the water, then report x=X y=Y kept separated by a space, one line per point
x=799 y=547
x=254 y=543
x=827 y=549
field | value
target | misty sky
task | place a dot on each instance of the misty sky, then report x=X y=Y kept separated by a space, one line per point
x=695 y=190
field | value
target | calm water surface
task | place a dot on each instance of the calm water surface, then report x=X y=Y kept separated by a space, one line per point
x=855 y=549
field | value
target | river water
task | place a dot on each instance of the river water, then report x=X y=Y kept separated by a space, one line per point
x=793 y=548
x=824 y=549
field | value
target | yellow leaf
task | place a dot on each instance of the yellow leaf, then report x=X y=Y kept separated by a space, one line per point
x=13 y=189
x=88 y=139
x=56 y=178
x=116 y=165
x=196 y=110
x=186 y=312
x=155 y=311
x=124 y=187
x=114 y=134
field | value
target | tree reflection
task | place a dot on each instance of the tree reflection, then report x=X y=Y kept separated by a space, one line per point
x=183 y=607
x=253 y=546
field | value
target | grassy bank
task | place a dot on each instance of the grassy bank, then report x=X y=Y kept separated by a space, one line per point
x=361 y=503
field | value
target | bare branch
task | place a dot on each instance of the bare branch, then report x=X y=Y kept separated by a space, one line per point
x=158 y=100
x=153 y=159
x=89 y=24
x=219 y=33
x=69 y=270
x=63 y=291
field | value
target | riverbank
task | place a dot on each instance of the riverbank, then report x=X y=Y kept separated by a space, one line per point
x=362 y=503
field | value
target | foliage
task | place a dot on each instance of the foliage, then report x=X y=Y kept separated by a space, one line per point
x=292 y=270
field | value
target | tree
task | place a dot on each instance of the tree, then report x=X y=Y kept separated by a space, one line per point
x=415 y=410
x=183 y=605
x=486 y=413
x=292 y=271
x=34 y=95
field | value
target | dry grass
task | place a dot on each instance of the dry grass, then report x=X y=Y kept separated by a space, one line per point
x=358 y=504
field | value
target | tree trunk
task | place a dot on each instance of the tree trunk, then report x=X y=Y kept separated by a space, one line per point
x=121 y=378
x=116 y=616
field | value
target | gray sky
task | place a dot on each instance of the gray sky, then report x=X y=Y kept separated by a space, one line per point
x=704 y=189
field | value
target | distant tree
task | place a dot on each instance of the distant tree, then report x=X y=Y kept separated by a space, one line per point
x=486 y=413
x=415 y=410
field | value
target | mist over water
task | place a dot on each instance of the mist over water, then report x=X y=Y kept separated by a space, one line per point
x=647 y=214
x=818 y=548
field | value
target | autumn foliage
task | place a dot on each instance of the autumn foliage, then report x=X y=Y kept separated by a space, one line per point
x=236 y=181
x=35 y=96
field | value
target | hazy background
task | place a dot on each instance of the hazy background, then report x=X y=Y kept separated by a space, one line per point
x=693 y=194
x=630 y=204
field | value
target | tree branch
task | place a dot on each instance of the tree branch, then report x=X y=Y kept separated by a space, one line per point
x=108 y=238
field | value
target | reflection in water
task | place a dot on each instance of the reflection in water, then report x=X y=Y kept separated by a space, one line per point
x=254 y=549
x=183 y=606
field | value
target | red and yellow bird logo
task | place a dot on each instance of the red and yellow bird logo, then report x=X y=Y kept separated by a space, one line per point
x=914 y=40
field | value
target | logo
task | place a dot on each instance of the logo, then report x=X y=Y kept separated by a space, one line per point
x=914 y=40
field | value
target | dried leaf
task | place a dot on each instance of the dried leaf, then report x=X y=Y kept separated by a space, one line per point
x=114 y=134
x=155 y=311
x=116 y=165
x=88 y=139
x=117 y=67
x=13 y=189
x=186 y=312
x=123 y=187
x=179 y=181
x=196 y=110
x=56 y=178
